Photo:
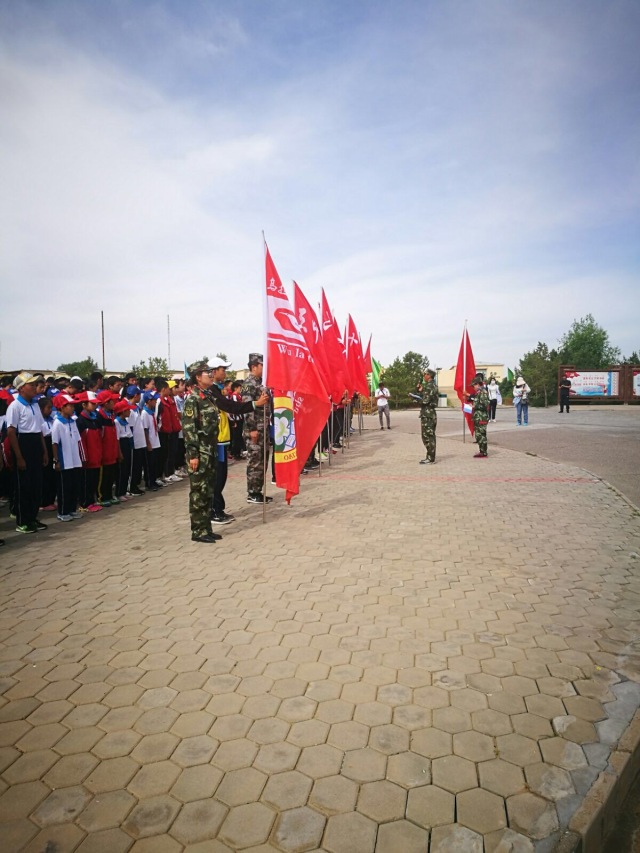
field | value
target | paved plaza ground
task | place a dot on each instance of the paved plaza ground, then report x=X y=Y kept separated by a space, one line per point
x=409 y=659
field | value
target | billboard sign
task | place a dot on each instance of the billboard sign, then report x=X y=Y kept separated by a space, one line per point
x=595 y=383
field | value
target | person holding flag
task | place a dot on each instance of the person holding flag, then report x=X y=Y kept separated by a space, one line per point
x=481 y=407
x=255 y=435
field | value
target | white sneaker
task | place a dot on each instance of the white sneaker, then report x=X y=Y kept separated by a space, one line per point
x=64 y=518
x=173 y=478
x=160 y=482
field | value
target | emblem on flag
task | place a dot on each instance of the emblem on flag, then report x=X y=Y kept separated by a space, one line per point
x=284 y=430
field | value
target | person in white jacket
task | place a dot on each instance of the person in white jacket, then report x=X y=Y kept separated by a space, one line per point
x=493 y=390
x=521 y=393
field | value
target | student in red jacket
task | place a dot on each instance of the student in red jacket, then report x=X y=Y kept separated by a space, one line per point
x=91 y=438
x=168 y=431
x=110 y=448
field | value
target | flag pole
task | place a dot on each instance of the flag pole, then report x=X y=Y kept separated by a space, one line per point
x=464 y=378
x=265 y=434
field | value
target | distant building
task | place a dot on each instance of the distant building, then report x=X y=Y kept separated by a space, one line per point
x=446 y=378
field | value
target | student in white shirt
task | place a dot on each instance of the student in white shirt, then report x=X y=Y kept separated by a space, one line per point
x=67 y=461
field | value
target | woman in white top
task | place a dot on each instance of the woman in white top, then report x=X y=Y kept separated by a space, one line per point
x=493 y=390
x=521 y=393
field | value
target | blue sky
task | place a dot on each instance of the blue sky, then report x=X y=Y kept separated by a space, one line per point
x=425 y=162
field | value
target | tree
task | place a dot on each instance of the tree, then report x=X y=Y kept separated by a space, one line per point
x=83 y=368
x=634 y=358
x=231 y=374
x=586 y=345
x=402 y=376
x=540 y=371
x=155 y=366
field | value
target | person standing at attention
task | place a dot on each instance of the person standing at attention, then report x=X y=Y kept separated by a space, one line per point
x=255 y=435
x=493 y=389
x=382 y=399
x=565 y=391
x=428 y=399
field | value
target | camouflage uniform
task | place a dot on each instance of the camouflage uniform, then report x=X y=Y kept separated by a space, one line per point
x=252 y=389
x=480 y=417
x=429 y=418
x=200 y=429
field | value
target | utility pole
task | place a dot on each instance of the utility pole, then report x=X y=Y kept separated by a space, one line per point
x=168 y=342
x=104 y=369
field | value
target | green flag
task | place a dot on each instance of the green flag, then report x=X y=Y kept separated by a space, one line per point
x=374 y=376
x=509 y=374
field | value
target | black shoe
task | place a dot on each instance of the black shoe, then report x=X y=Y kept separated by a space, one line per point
x=311 y=466
x=208 y=538
x=388 y=427
x=427 y=461
x=258 y=498
x=221 y=518
x=40 y=526
x=136 y=492
x=381 y=427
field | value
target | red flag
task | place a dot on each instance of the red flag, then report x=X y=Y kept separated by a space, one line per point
x=465 y=371
x=310 y=328
x=300 y=403
x=333 y=349
x=355 y=359
x=368 y=366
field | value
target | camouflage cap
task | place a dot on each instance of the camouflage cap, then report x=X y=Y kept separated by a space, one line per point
x=255 y=358
x=198 y=367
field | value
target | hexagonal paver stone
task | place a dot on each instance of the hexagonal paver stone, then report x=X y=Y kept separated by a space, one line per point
x=194 y=750
x=348 y=832
x=115 y=744
x=61 y=806
x=107 y=840
x=432 y=743
x=531 y=725
x=518 y=750
x=550 y=782
x=71 y=770
x=491 y=722
x=111 y=775
x=455 y=839
x=454 y=774
x=481 y=811
x=507 y=839
x=402 y=835
x=372 y=714
x=297 y=708
x=322 y=760
x=247 y=825
x=501 y=777
x=241 y=786
x=334 y=795
x=474 y=746
x=197 y=783
x=154 y=779
x=389 y=739
x=451 y=720
x=106 y=811
x=409 y=769
x=585 y=708
x=308 y=732
x=199 y=821
x=298 y=830
x=286 y=790
x=364 y=765
x=430 y=697
x=532 y=816
x=152 y=817
x=562 y=753
x=277 y=757
x=234 y=754
x=350 y=735
x=430 y=806
x=382 y=801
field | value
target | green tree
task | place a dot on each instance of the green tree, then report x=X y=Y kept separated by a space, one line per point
x=82 y=368
x=634 y=358
x=540 y=371
x=231 y=374
x=586 y=345
x=154 y=366
x=402 y=376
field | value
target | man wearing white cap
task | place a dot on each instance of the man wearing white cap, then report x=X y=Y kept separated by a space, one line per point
x=24 y=431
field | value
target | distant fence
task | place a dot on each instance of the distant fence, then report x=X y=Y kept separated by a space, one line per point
x=618 y=383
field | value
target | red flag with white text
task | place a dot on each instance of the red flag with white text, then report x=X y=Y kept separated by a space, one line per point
x=300 y=403
x=310 y=328
x=334 y=350
x=355 y=359
x=465 y=371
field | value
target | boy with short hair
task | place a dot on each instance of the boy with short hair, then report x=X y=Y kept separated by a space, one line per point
x=48 y=498
x=122 y=412
x=67 y=462
x=152 y=440
x=91 y=438
x=132 y=395
x=110 y=448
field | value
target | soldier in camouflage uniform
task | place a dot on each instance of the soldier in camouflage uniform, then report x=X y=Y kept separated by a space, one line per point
x=257 y=440
x=200 y=429
x=428 y=399
x=481 y=407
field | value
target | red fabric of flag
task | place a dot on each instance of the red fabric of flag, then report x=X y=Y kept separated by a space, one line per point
x=300 y=403
x=355 y=359
x=334 y=350
x=312 y=333
x=368 y=366
x=465 y=371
